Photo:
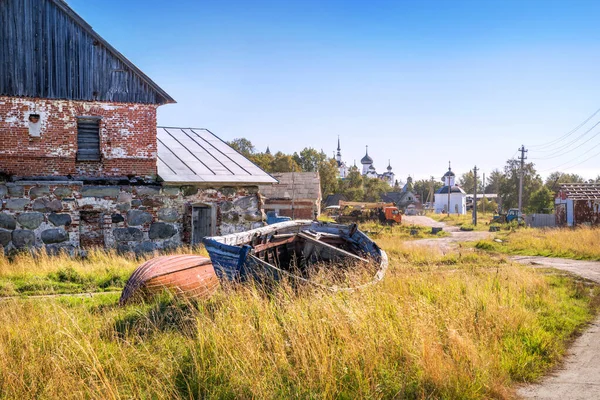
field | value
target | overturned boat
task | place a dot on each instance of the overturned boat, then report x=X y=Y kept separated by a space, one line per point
x=184 y=275
x=293 y=249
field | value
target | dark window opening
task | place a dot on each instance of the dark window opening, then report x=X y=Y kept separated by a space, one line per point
x=88 y=139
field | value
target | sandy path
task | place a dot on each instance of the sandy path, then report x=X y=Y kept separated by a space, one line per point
x=578 y=377
x=446 y=243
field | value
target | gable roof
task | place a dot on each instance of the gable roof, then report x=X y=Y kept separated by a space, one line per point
x=294 y=185
x=49 y=51
x=197 y=156
x=334 y=199
x=400 y=198
x=580 y=191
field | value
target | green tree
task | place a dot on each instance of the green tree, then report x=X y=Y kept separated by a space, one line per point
x=309 y=159
x=374 y=188
x=422 y=187
x=467 y=182
x=557 y=178
x=541 y=201
x=328 y=174
x=284 y=163
x=352 y=186
x=243 y=146
x=487 y=205
x=509 y=186
x=494 y=181
x=263 y=160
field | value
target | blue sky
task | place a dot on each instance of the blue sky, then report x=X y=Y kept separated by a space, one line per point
x=419 y=82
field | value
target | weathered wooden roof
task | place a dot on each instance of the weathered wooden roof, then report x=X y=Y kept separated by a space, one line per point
x=294 y=185
x=197 y=156
x=48 y=51
x=580 y=191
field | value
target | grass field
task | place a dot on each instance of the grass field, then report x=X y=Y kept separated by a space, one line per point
x=467 y=325
x=580 y=243
x=465 y=220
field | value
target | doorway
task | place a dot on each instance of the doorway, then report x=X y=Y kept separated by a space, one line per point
x=90 y=229
x=202 y=223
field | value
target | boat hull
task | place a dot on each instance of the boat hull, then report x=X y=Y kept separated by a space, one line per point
x=237 y=256
x=188 y=276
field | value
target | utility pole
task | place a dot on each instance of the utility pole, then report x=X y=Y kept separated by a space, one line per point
x=522 y=172
x=475 y=196
x=483 y=183
x=449 y=187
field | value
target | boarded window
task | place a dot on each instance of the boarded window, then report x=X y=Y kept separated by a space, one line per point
x=88 y=139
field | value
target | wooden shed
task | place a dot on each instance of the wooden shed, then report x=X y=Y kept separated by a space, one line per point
x=578 y=204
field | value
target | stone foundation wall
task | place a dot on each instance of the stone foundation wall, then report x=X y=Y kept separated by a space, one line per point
x=70 y=215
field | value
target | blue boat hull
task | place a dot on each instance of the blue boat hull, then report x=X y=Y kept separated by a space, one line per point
x=233 y=256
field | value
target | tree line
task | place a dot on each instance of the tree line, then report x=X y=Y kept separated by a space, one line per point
x=355 y=187
x=538 y=195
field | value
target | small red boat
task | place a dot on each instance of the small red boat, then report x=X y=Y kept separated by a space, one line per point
x=187 y=275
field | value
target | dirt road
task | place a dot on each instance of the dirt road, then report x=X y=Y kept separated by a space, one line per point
x=578 y=378
x=446 y=243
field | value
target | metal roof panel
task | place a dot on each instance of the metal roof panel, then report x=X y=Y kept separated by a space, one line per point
x=190 y=155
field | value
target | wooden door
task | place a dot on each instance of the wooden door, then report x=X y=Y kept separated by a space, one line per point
x=201 y=223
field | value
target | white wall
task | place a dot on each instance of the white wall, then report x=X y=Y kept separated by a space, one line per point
x=457 y=201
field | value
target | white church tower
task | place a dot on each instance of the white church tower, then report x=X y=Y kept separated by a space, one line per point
x=456 y=201
x=342 y=167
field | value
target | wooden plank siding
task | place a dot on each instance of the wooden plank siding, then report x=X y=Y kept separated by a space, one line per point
x=48 y=51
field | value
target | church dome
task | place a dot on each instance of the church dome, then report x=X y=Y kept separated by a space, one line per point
x=449 y=173
x=366 y=159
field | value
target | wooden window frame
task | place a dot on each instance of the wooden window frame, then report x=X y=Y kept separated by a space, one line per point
x=90 y=157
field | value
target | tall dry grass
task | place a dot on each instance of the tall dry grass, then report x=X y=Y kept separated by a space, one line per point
x=39 y=273
x=439 y=326
x=577 y=243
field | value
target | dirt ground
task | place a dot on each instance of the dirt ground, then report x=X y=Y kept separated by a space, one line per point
x=578 y=378
x=447 y=243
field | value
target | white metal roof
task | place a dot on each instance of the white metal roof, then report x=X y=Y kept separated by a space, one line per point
x=195 y=156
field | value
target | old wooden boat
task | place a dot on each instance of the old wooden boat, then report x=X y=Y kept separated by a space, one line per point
x=290 y=249
x=187 y=275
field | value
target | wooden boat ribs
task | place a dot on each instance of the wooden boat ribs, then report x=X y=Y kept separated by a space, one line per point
x=291 y=249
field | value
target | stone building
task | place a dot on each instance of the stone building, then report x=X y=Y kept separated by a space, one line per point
x=296 y=195
x=82 y=161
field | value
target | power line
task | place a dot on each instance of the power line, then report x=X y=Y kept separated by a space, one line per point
x=574 y=159
x=563 y=151
x=572 y=131
x=572 y=141
x=579 y=163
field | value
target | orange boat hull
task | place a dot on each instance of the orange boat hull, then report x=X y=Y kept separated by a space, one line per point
x=188 y=276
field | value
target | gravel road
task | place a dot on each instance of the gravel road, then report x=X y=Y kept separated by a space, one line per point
x=578 y=378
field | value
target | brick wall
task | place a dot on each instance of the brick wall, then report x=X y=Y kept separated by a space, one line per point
x=127 y=138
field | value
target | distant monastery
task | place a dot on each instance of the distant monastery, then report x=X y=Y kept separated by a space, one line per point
x=367 y=167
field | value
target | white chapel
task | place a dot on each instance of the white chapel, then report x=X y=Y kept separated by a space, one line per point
x=457 y=199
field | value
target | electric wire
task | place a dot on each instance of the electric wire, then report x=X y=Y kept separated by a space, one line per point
x=560 y=153
x=572 y=131
x=574 y=159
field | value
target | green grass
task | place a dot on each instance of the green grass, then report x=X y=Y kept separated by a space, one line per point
x=466 y=325
x=466 y=220
x=397 y=232
x=579 y=244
